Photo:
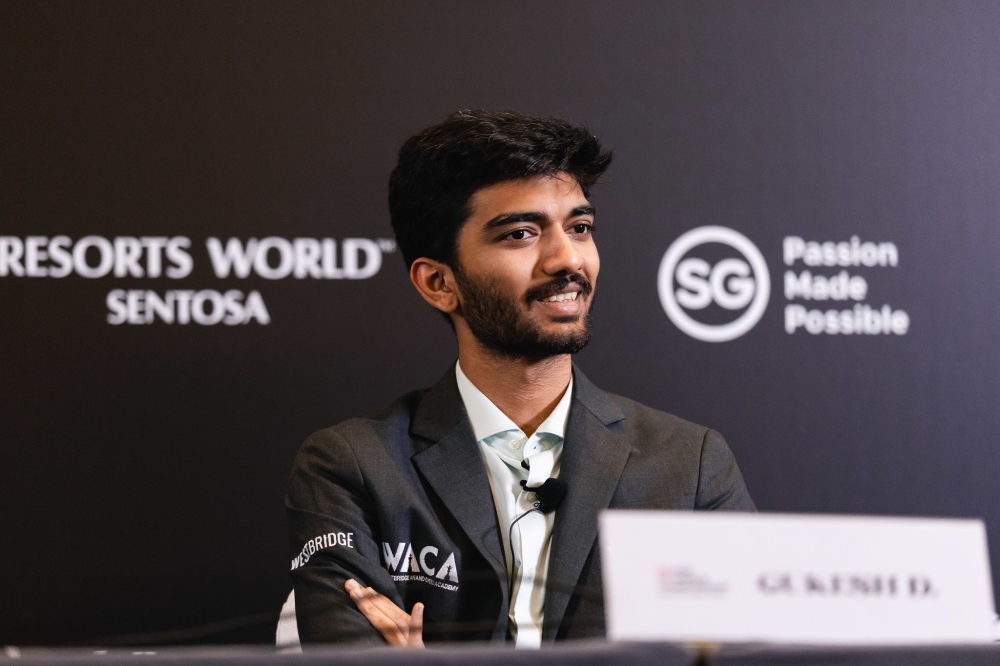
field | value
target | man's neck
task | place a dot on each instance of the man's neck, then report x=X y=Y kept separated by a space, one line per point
x=526 y=390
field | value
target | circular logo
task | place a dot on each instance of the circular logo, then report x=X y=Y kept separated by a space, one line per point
x=733 y=284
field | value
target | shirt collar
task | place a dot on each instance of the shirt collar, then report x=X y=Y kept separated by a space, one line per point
x=487 y=419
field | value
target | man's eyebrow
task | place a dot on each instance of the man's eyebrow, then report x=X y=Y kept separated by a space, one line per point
x=504 y=219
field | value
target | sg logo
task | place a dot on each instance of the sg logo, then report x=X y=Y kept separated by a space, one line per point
x=733 y=284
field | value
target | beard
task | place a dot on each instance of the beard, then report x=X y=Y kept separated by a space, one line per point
x=494 y=317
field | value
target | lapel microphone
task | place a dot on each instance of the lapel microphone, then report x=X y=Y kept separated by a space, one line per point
x=549 y=495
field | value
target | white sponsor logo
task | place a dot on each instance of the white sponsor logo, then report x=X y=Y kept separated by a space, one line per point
x=427 y=565
x=862 y=319
x=95 y=256
x=131 y=257
x=323 y=541
x=206 y=307
x=844 y=253
x=734 y=284
x=272 y=258
x=360 y=258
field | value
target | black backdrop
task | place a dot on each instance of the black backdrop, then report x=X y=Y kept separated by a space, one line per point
x=143 y=466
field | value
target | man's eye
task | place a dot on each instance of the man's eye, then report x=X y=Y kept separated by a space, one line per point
x=581 y=228
x=520 y=234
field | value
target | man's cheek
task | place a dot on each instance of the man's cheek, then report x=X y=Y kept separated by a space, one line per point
x=592 y=263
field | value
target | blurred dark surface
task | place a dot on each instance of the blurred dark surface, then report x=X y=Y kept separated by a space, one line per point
x=583 y=653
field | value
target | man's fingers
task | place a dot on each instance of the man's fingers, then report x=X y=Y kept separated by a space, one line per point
x=390 y=630
x=389 y=609
x=385 y=624
x=395 y=625
x=415 y=636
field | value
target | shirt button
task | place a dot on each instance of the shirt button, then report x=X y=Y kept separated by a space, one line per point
x=514 y=444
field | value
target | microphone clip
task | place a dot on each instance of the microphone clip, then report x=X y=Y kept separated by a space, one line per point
x=549 y=495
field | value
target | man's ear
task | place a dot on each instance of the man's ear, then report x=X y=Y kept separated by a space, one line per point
x=436 y=283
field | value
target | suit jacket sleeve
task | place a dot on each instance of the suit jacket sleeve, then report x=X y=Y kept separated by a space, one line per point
x=720 y=484
x=333 y=531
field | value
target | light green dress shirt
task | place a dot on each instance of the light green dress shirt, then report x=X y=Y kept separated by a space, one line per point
x=504 y=446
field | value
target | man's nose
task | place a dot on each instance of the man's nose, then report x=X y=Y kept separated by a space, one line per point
x=560 y=254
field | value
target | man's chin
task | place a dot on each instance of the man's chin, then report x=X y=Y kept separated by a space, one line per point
x=563 y=338
x=567 y=319
x=541 y=342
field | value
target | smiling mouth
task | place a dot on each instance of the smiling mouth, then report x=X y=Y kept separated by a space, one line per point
x=558 y=298
x=566 y=289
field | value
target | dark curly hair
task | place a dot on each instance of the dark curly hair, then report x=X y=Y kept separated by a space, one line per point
x=440 y=169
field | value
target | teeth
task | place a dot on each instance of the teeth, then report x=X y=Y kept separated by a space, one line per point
x=571 y=296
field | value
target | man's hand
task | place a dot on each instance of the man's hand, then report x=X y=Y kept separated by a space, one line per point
x=396 y=627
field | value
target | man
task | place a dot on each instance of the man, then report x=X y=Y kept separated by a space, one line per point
x=429 y=522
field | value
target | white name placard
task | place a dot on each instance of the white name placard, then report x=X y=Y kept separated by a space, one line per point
x=808 y=579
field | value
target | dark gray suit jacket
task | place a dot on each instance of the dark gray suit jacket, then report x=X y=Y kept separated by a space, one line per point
x=402 y=502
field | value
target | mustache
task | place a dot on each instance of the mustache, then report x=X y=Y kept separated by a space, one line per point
x=547 y=289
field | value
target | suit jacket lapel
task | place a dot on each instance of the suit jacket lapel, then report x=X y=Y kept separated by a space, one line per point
x=592 y=461
x=453 y=466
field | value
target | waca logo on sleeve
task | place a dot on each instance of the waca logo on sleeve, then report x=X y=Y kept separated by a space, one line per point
x=426 y=565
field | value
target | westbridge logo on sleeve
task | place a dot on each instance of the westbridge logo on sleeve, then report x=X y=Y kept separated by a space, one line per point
x=158 y=257
x=714 y=285
x=322 y=542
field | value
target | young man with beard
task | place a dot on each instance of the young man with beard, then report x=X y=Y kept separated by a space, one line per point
x=424 y=523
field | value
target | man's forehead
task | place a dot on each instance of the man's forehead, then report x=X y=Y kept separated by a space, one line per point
x=553 y=195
